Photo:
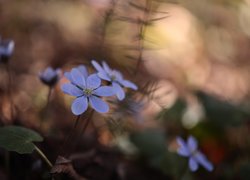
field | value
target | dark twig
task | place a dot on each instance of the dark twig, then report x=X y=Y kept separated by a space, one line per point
x=142 y=31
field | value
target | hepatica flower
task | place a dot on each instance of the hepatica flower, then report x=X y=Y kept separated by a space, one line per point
x=87 y=89
x=50 y=76
x=6 y=50
x=196 y=158
x=115 y=78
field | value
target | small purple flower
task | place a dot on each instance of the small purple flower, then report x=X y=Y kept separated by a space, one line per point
x=6 y=50
x=50 y=76
x=115 y=77
x=87 y=89
x=190 y=150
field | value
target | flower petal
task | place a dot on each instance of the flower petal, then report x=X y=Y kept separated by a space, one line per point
x=68 y=76
x=7 y=47
x=98 y=104
x=83 y=70
x=106 y=67
x=97 y=66
x=104 y=91
x=77 y=77
x=118 y=75
x=71 y=89
x=79 y=105
x=129 y=84
x=104 y=75
x=193 y=165
x=183 y=149
x=200 y=158
x=93 y=81
x=118 y=91
x=192 y=143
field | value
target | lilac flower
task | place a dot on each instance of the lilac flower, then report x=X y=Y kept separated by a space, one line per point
x=6 y=50
x=115 y=77
x=50 y=76
x=189 y=150
x=87 y=89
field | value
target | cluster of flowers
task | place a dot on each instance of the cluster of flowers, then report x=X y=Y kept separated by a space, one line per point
x=87 y=88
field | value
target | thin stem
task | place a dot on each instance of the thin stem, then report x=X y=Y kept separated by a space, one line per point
x=87 y=122
x=47 y=104
x=9 y=91
x=48 y=96
x=84 y=128
x=69 y=136
x=43 y=156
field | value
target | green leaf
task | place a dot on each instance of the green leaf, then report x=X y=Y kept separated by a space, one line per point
x=18 y=139
x=152 y=144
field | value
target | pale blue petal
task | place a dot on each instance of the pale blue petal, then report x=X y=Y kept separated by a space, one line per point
x=129 y=84
x=118 y=75
x=104 y=75
x=7 y=48
x=71 y=89
x=104 y=91
x=200 y=158
x=183 y=152
x=83 y=70
x=97 y=66
x=79 y=105
x=93 y=81
x=192 y=143
x=49 y=72
x=68 y=76
x=58 y=71
x=193 y=165
x=98 y=104
x=183 y=149
x=77 y=78
x=118 y=91
x=106 y=67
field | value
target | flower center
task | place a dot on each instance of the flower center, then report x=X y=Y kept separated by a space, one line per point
x=113 y=78
x=87 y=92
x=193 y=153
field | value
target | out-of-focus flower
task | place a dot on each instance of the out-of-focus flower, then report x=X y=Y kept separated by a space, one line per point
x=115 y=77
x=6 y=50
x=190 y=150
x=50 y=76
x=87 y=89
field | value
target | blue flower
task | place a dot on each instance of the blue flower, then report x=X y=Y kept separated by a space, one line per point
x=50 y=76
x=87 y=89
x=115 y=77
x=190 y=150
x=6 y=50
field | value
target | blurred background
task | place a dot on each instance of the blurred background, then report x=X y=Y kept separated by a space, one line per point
x=190 y=60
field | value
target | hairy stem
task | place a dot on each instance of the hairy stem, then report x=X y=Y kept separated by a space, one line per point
x=43 y=156
x=9 y=91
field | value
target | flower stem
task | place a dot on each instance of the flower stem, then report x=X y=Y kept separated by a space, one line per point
x=87 y=122
x=83 y=129
x=46 y=106
x=48 y=96
x=70 y=134
x=43 y=156
x=9 y=91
